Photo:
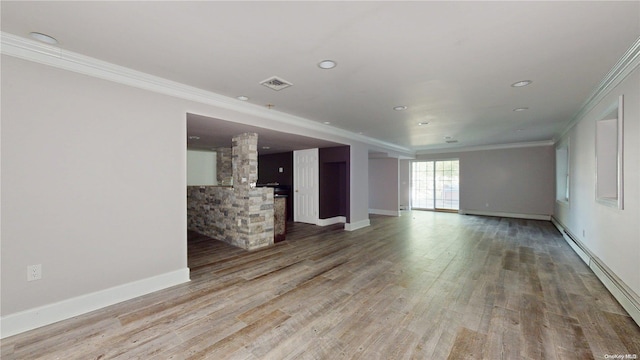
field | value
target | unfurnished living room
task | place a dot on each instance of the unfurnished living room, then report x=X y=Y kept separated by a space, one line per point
x=320 y=180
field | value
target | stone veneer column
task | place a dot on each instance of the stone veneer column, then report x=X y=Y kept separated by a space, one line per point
x=245 y=159
x=224 y=169
x=255 y=205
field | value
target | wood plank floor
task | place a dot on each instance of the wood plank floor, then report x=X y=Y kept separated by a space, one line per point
x=422 y=286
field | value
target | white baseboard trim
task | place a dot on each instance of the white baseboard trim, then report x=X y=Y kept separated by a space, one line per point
x=577 y=249
x=384 y=212
x=331 y=221
x=357 y=225
x=611 y=282
x=22 y=321
x=627 y=298
x=505 y=214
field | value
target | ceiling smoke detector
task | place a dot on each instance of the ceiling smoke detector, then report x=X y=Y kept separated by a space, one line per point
x=276 y=83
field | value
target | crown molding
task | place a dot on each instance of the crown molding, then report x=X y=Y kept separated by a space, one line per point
x=620 y=71
x=54 y=56
x=486 y=147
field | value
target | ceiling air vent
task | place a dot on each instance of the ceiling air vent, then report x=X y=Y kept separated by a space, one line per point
x=276 y=83
x=451 y=141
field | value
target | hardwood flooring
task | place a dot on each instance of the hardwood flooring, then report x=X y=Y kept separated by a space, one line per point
x=422 y=286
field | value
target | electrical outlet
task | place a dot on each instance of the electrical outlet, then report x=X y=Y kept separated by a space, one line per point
x=34 y=272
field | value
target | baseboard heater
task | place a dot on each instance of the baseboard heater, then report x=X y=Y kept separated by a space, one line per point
x=620 y=291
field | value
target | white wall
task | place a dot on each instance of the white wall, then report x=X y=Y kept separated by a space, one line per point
x=509 y=181
x=93 y=185
x=405 y=185
x=610 y=234
x=359 y=187
x=201 y=167
x=384 y=186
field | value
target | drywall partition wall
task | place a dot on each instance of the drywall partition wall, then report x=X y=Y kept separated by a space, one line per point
x=609 y=234
x=404 y=188
x=384 y=186
x=93 y=189
x=516 y=181
x=359 y=187
x=333 y=190
x=201 y=167
x=269 y=169
x=511 y=181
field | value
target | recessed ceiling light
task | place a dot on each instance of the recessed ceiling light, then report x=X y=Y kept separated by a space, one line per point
x=423 y=123
x=400 y=108
x=327 y=122
x=44 y=38
x=266 y=147
x=242 y=97
x=327 y=64
x=521 y=109
x=521 y=83
x=193 y=137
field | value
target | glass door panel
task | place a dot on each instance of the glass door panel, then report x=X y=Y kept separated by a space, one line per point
x=422 y=185
x=447 y=185
x=435 y=185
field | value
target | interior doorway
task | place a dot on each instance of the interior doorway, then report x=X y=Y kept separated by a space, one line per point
x=305 y=186
x=435 y=185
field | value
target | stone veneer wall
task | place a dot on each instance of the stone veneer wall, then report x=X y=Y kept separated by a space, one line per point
x=217 y=212
x=241 y=215
x=224 y=168
x=255 y=216
x=210 y=212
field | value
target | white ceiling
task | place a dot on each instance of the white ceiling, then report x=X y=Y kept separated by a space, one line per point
x=450 y=63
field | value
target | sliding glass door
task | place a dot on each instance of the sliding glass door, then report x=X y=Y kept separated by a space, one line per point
x=422 y=185
x=435 y=185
